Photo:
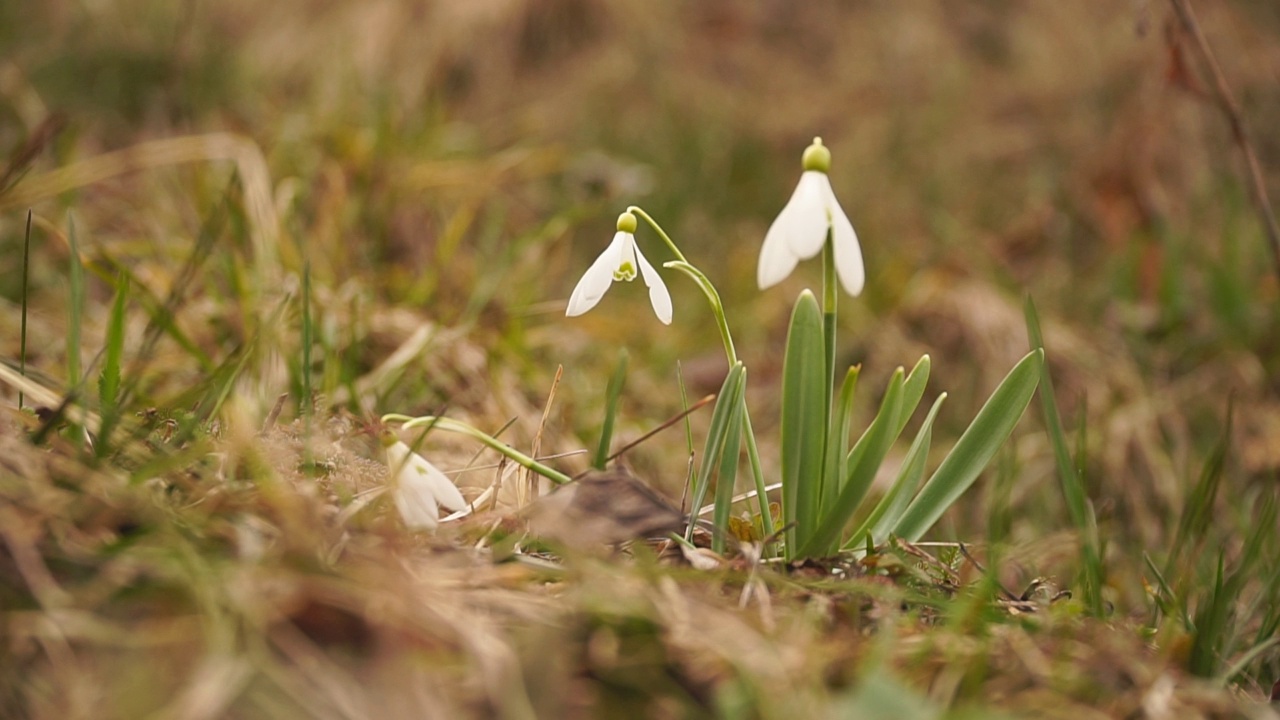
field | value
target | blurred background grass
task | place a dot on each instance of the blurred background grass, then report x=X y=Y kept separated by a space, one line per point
x=447 y=170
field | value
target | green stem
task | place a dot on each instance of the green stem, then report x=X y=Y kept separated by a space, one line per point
x=450 y=425
x=829 y=303
x=731 y=354
x=635 y=210
x=757 y=471
x=713 y=297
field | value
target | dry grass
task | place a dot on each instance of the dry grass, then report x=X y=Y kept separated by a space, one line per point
x=444 y=170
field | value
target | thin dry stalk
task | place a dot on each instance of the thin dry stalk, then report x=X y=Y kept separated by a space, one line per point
x=1239 y=132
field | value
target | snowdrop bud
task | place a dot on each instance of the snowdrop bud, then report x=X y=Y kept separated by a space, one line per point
x=627 y=223
x=817 y=157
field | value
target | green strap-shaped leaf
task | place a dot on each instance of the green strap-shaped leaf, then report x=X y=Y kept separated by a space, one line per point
x=728 y=405
x=992 y=426
x=890 y=508
x=804 y=427
x=860 y=470
x=913 y=390
x=838 y=440
x=727 y=474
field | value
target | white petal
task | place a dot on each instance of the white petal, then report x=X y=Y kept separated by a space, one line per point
x=776 y=260
x=804 y=221
x=658 y=294
x=446 y=492
x=597 y=279
x=416 y=504
x=847 y=250
x=419 y=487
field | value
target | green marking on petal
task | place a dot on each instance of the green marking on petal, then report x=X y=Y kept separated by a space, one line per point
x=626 y=271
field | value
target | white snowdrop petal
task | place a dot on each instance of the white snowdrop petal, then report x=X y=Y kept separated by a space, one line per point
x=806 y=225
x=416 y=503
x=443 y=489
x=776 y=259
x=658 y=294
x=597 y=279
x=849 y=267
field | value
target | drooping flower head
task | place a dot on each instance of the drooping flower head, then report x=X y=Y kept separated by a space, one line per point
x=417 y=486
x=620 y=261
x=800 y=230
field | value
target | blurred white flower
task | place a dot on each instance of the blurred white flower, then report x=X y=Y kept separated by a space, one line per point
x=619 y=261
x=800 y=230
x=418 y=487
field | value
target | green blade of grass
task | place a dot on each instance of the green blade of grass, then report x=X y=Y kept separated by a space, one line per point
x=992 y=426
x=26 y=273
x=75 y=306
x=109 y=378
x=860 y=469
x=1069 y=475
x=1212 y=617
x=612 y=392
x=805 y=394
x=307 y=401
x=1197 y=514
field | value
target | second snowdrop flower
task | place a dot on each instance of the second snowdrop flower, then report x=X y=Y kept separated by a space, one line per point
x=801 y=228
x=418 y=487
x=620 y=261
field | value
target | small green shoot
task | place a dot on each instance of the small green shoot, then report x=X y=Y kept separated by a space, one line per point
x=613 y=393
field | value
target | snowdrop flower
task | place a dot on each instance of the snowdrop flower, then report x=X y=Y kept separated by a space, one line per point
x=619 y=262
x=418 y=486
x=800 y=230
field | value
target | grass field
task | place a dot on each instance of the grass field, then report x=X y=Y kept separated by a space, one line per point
x=235 y=235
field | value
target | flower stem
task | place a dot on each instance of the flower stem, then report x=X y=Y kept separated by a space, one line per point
x=722 y=323
x=450 y=425
x=831 y=480
x=636 y=210
x=713 y=297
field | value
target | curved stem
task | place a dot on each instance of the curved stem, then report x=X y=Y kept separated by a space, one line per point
x=636 y=210
x=717 y=307
x=462 y=428
x=731 y=354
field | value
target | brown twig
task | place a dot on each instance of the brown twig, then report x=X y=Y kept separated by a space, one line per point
x=661 y=427
x=1227 y=103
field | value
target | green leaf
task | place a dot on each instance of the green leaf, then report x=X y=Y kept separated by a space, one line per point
x=805 y=395
x=612 y=393
x=992 y=426
x=889 y=510
x=728 y=405
x=727 y=474
x=838 y=439
x=860 y=469
x=913 y=390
